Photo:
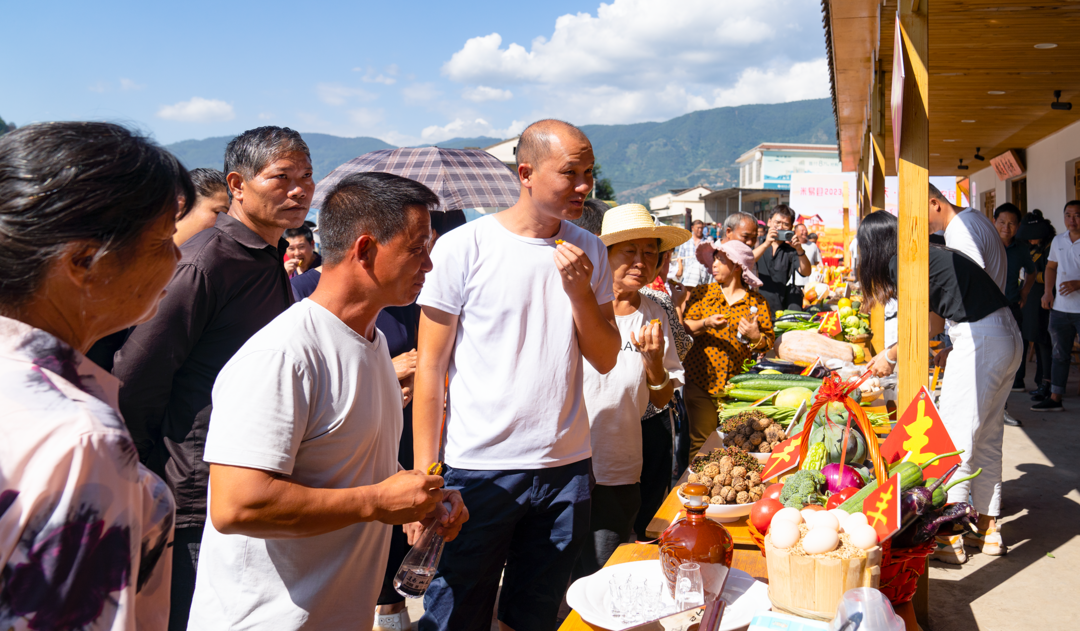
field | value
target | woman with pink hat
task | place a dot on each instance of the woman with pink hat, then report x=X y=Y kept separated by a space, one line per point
x=729 y=320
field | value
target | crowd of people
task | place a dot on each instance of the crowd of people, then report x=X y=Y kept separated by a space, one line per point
x=210 y=425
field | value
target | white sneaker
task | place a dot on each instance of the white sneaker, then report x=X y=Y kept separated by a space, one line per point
x=393 y=621
x=950 y=549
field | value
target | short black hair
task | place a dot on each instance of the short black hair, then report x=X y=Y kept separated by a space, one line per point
x=592 y=216
x=207 y=182
x=251 y=151
x=812 y=236
x=302 y=231
x=1008 y=207
x=77 y=181
x=376 y=204
x=445 y=221
x=785 y=210
x=1075 y=202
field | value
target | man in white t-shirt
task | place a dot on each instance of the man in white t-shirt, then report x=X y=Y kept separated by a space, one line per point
x=813 y=254
x=971 y=232
x=1063 y=276
x=303 y=438
x=515 y=304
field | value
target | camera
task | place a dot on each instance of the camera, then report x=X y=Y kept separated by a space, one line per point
x=785 y=236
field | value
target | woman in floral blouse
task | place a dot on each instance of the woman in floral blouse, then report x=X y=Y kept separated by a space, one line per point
x=715 y=314
x=87 y=216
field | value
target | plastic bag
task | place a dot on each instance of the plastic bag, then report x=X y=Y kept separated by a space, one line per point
x=865 y=609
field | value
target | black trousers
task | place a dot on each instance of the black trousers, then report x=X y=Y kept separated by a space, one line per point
x=186 y=542
x=656 y=456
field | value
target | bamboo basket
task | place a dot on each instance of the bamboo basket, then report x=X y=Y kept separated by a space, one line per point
x=812 y=587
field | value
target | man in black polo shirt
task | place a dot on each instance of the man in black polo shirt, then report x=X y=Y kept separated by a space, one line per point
x=229 y=284
x=777 y=262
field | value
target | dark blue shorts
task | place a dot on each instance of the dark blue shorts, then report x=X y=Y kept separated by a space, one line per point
x=533 y=522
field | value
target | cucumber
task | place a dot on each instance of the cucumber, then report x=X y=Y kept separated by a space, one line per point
x=771 y=386
x=748 y=395
x=795 y=380
x=910 y=477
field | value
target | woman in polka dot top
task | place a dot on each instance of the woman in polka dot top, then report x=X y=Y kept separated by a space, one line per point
x=715 y=315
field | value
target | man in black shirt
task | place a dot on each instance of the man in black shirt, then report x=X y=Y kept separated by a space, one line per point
x=777 y=262
x=229 y=284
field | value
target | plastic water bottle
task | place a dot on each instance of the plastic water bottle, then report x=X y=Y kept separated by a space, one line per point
x=753 y=312
x=416 y=571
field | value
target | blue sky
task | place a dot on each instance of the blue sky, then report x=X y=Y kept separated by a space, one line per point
x=404 y=72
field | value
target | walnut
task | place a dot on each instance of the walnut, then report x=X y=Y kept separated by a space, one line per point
x=739 y=484
x=717 y=479
x=758 y=488
x=725 y=479
x=759 y=424
x=739 y=472
x=756 y=493
x=745 y=446
x=726 y=467
x=716 y=490
x=765 y=447
x=746 y=430
x=692 y=478
x=716 y=500
x=727 y=461
x=756 y=438
x=754 y=479
x=711 y=470
x=774 y=433
x=742 y=498
x=728 y=494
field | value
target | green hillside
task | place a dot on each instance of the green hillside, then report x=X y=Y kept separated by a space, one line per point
x=700 y=148
x=642 y=159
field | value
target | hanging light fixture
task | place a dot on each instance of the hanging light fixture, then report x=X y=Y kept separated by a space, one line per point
x=1057 y=104
x=962 y=167
x=977 y=156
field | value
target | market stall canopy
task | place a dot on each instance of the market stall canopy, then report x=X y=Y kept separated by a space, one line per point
x=462 y=178
x=994 y=66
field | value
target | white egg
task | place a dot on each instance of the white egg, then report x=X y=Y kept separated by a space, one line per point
x=784 y=533
x=841 y=515
x=820 y=540
x=788 y=514
x=824 y=519
x=855 y=520
x=864 y=537
x=808 y=514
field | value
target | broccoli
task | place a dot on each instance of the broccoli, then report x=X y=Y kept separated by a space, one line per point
x=803 y=488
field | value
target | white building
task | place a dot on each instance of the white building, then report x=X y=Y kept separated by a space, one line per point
x=505 y=151
x=771 y=164
x=671 y=207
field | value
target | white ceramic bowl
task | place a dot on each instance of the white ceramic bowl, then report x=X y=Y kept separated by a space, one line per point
x=724 y=513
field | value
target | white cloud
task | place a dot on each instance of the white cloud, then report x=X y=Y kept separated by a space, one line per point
x=365 y=118
x=265 y=116
x=420 y=93
x=197 y=110
x=128 y=85
x=638 y=60
x=338 y=94
x=482 y=93
x=460 y=128
x=386 y=77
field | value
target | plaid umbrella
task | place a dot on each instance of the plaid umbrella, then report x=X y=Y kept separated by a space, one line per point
x=462 y=178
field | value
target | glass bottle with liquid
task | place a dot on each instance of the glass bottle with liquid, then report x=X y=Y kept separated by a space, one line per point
x=742 y=338
x=416 y=571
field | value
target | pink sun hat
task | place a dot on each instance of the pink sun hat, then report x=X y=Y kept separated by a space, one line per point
x=734 y=251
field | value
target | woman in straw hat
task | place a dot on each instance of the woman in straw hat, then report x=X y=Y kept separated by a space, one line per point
x=647 y=370
x=717 y=315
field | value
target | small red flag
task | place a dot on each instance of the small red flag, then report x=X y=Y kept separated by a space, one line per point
x=921 y=433
x=830 y=324
x=783 y=458
x=882 y=508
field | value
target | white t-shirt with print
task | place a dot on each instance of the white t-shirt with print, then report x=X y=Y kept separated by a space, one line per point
x=308 y=398
x=973 y=234
x=617 y=400
x=1066 y=253
x=515 y=397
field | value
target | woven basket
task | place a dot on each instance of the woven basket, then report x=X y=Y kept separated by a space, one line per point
x=901 y=569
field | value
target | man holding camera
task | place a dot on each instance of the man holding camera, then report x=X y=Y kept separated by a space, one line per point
x=778 y=258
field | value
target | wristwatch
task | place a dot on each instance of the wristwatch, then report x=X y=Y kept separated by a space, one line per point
x=663 y=384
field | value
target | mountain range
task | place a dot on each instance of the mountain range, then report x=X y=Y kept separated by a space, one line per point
x=641 y=160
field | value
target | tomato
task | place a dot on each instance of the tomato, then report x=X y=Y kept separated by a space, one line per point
x=836 y=499
x=772 y=492
x=763 y=511
x=813 y=507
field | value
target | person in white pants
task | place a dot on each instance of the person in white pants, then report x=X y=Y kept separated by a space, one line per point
x=985 y=354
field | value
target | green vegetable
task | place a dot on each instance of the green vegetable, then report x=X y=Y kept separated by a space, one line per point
x=792 y=379
x=833 y=439
x=815 y=457
x=910 y=477
x=770 y=385
x=783 y=416
x=941 y=493
x=802 y=488
x=740 y=394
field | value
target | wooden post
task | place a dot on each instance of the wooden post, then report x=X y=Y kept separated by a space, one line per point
x=913 y=268
x=877 y=141
x=844 y=237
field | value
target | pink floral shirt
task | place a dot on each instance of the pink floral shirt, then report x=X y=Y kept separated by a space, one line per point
x=85 y=530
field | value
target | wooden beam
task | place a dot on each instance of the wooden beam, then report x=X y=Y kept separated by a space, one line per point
x=913 y=268
x=877 y=173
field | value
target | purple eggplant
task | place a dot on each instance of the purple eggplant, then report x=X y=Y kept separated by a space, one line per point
x=927 y=527
x=941 y=493
x=916 y=501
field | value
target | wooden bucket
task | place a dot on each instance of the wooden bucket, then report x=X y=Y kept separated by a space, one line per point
x=812 y=587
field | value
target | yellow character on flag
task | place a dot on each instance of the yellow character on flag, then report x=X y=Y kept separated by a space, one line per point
x=882 y=504
x=778 y=461
x=917 y=438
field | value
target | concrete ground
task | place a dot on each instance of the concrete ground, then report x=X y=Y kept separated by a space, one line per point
x=1036 y=585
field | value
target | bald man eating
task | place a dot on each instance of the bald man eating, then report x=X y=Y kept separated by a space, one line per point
x=515 y=303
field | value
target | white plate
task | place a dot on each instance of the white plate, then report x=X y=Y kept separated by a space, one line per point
x=723 y=513
x=589 y=595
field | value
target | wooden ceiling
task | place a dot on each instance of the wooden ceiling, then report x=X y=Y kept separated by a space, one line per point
x=976 y=47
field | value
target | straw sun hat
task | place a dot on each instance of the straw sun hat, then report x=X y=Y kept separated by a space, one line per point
x=633 y=221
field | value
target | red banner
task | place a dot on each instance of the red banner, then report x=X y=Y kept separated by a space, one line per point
x=882 y=508
x=922 y=434
x=830 y=324
x=784 y=458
